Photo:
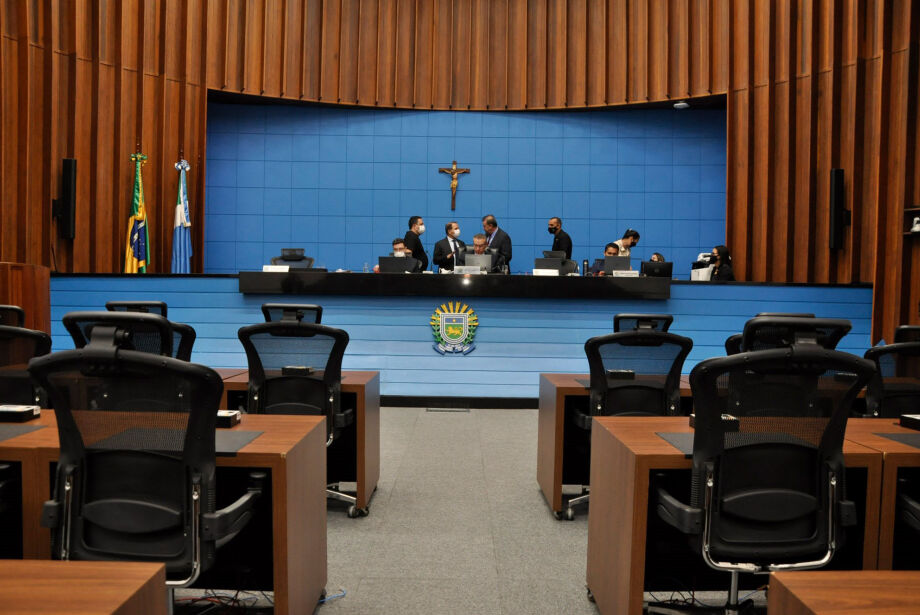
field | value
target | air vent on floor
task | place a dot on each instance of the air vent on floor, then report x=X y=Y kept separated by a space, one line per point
x=447 y=409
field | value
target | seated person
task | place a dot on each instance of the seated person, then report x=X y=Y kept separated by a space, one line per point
x=657 y=257
x=722 y=259
x=611 y=249
x=399 y=249
x=481 y=246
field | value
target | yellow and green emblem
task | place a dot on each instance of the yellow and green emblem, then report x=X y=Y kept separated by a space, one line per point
x=454 y=326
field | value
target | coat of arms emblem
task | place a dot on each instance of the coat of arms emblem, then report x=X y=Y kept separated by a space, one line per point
x=454 y=326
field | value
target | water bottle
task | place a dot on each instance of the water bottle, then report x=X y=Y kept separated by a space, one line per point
x=365 y=268
x=584 y=267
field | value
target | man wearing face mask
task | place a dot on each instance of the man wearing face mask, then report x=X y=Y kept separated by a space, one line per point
x=414 y=244
x=447 y=250
x=561 y=240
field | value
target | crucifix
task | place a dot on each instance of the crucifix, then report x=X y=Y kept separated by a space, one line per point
x=454 y=173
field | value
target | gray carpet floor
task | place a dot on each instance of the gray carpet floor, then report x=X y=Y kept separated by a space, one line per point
x=458 y=524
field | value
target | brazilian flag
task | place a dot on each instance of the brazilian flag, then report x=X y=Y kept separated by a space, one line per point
x=137 y=245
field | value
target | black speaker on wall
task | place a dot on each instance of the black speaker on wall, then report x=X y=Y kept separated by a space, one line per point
x=64 y=208
x=840 y=216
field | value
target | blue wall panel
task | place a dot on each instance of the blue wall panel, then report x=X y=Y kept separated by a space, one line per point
x=516 y=340
x=342 y=183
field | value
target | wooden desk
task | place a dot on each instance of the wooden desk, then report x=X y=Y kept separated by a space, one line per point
x=623 y=453
x=554 y=388
x=365 y=387
x=293 y=448
x=895 y=456
x=82 y=588
x=866 y=592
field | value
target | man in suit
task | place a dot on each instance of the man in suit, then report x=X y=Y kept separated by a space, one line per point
x=414 y=244
x=481 y=246
x=447 y=250
x=561 y=240
x=497 y=239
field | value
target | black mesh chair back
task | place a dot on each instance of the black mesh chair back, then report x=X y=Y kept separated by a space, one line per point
x=17 y=347
x=895 y=389
x=733 y=344
x=137 y=461
x=297 y=312
x=12 y=316
x=636 y=373
x=295 y=368
x=144 y=307
x=907 y=333
x=786 y=314
x=632 y=322
x=770 y=477
x=766 y=332
x=303 y=262
x=183 y=335
x=145 y=332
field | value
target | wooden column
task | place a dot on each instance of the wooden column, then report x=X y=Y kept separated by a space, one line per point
x=28 y=286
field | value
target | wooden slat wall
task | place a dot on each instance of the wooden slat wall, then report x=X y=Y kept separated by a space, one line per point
x=94 y=80
x=816 y=85
x=810 y=85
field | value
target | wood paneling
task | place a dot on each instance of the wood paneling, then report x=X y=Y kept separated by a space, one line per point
x=809 y=85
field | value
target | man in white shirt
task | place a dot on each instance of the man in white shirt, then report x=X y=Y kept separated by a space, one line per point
x=630 y=239
x=447 y=250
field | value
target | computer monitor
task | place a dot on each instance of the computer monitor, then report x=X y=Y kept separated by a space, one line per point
x=484 y=261
x=656 y=269
x=548 y=263
x=616 y=263
x=554 y=254
x=396 y=264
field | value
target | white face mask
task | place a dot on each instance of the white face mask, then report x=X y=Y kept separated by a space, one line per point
x=399 y=253
x=455 y=233
x=421 y=229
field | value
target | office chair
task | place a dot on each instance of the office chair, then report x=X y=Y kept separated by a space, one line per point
x=297 y=312
x=632 y=322
x=145 y=307
x=766 y=332
x=12 y=316
x=293 y=258
x=907 y=333
x=144 y=330
x=183 y=335
x=296 y=368
x=17 y=347
x=633 y=373
x=767 y=489
x=895 y=388
x=136 y=475
x=733 y=342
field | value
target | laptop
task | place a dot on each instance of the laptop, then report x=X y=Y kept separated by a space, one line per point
x=548 y=263
x=656 y=270
x=483 y=261
x=616 y=263
x=396 y=264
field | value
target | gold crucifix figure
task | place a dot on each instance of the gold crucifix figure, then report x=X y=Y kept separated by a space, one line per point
x=454 y=173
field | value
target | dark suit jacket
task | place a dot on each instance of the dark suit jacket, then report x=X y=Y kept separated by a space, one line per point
x=441 y=250
x=414 y=244
x=723 y=273
x=562 y=241
x=501 y=243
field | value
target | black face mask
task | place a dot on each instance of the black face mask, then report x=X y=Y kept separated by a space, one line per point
x=552 y=231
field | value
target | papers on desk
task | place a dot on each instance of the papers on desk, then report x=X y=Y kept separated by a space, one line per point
x=546 y=272
x=275 y=268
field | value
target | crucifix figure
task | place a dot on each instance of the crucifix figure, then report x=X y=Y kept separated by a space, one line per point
x=454 y=173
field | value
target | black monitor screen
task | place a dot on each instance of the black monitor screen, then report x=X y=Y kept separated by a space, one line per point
x=483 y=261
x=657 y=269
x=616 y=263
x=396 y=264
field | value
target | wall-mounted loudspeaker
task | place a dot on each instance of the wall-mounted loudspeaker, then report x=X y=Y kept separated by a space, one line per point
x=64 y=208
x=840 y=216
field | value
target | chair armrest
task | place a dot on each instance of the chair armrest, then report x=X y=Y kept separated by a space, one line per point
x=51 y=514
x=846 y=512
x=909 y=511
x=582 y=420
x=686 y=519
x=230 y=520
x=343 y=418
